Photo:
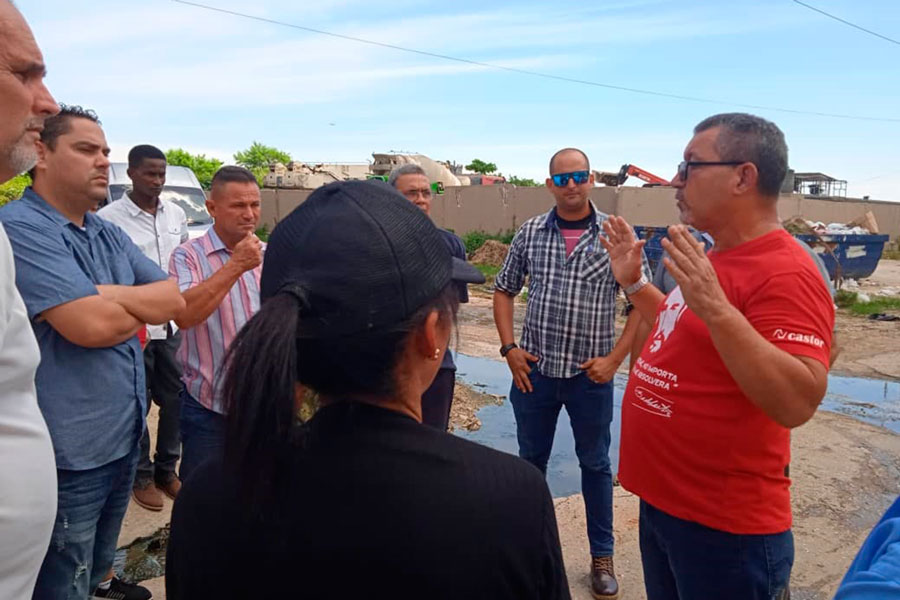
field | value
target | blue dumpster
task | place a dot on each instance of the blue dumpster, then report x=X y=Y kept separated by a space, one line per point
x=857 y=254
x=654 y=236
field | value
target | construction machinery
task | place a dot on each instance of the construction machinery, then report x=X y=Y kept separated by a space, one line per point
x=617 y=179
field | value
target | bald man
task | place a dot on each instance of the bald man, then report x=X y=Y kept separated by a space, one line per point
x=28 y=470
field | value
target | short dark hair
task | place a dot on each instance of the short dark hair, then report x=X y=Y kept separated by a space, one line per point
x=753 y=139
x=139 y=154
x=58 y=125
x=558 y=152
x=232 y=174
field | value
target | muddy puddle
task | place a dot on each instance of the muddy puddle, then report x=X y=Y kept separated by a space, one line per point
x=871 y=400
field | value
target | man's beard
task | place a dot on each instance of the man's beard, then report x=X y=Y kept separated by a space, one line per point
x=20 y=156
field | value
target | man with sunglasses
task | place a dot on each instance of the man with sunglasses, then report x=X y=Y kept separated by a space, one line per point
x=738 y=357
x=567 y=356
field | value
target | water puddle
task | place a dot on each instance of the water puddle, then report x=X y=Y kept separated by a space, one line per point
x=870 y=400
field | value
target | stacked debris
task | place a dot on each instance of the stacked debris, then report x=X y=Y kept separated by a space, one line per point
x=492 y=253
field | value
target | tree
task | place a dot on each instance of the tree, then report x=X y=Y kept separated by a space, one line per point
x=479 y=166
x=204 y=168
x=522 y=182
x=258 y=157
x=12 y=189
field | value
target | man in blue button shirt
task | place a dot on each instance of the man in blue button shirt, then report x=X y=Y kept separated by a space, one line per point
x=87 y=290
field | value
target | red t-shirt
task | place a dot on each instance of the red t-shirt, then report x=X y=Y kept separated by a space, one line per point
x=693 y=445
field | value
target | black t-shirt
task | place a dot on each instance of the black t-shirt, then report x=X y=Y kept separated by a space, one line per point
x=377 y=506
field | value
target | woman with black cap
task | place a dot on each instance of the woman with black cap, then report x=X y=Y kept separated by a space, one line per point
x=361 y=500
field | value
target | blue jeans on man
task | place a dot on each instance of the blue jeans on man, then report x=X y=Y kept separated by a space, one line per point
x=90 y=508
x=202 y=434
x=589 y=406
x=684 y=560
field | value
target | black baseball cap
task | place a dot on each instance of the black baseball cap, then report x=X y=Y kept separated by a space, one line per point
x=359 y=257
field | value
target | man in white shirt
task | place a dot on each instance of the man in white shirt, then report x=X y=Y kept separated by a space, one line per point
x=157 y=226
x=28 y=468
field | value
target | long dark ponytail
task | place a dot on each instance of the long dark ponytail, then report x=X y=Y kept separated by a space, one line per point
x=267 y=360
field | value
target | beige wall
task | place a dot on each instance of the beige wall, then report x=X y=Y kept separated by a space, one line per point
x=497 y=208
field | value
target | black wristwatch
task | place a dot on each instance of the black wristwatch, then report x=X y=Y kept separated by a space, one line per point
x=505 y=349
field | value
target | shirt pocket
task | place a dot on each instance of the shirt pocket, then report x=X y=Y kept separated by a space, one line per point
x=594 y=267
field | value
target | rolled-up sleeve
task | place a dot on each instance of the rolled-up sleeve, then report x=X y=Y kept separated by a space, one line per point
x=512 y=274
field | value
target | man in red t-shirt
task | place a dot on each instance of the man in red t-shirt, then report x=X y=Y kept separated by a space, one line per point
x=737 y=356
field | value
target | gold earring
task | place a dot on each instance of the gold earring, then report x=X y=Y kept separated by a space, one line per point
x=437 y=352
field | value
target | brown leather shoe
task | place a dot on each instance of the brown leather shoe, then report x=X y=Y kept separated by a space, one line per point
x=147 y=496
x=171 y=487
x=603 y=578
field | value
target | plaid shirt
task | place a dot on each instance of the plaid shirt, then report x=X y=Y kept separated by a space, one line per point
x=571 y=309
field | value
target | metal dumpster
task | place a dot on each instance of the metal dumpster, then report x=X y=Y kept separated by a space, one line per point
x=654 y=235
x=857 y=254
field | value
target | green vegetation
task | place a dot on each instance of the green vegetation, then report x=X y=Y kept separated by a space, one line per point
x=476 y=239
x=263 y=233
x=204 y=168
x=523 y=182
x=489 y=271
x=891 y=254
x=877 y=304
x=479 y=166
x=258 y=157
x=12 y=189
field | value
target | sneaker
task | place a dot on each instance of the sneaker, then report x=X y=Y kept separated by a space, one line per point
x=147 y=496
x=603 y=578
x=119 y=590
x=170 y=487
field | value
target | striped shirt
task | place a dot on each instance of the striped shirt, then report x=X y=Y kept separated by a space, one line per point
x=204 y=346
x=571 y=309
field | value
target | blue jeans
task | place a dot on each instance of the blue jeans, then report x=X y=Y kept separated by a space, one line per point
x=685 y=561
x=202 y=434
x=589 y=406
x=90 y=507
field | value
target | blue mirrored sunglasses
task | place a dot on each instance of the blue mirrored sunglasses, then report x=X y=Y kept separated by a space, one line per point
x=562 y=179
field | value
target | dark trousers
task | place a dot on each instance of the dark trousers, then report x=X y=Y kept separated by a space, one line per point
x=202 y=433
x=687 y=561
x=437 y=399
x=589 y=406
x=164 y=387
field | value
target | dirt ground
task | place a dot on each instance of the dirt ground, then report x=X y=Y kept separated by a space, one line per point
x=845 y=472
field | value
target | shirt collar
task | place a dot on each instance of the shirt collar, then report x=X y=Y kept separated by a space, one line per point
x=92 y=223
x=43 y=207
x=550 y=217
x=135 y=210
x=213 y=242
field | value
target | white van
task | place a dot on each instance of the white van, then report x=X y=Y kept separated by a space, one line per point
x=182 y=188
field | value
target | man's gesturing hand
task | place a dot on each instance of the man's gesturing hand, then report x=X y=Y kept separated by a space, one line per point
x=690 y=267
x=624 y=250
x=518 y=361
x=247 y=253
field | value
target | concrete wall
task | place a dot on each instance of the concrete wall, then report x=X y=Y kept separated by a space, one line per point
x=498 y=208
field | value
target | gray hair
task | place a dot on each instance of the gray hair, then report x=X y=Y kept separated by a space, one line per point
x=407 y=169
x=753 y=139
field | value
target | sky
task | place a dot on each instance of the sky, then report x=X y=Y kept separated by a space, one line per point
x=174 y=75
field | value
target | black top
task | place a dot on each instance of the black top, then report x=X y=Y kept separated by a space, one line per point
x=378 y=506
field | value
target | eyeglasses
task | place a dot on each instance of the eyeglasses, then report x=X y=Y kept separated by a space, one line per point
x=685 y=165
x=411 y=195
x=562 y=179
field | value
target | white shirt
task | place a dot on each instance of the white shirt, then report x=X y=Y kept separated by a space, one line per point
x=156 y=235
x=28 y=468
